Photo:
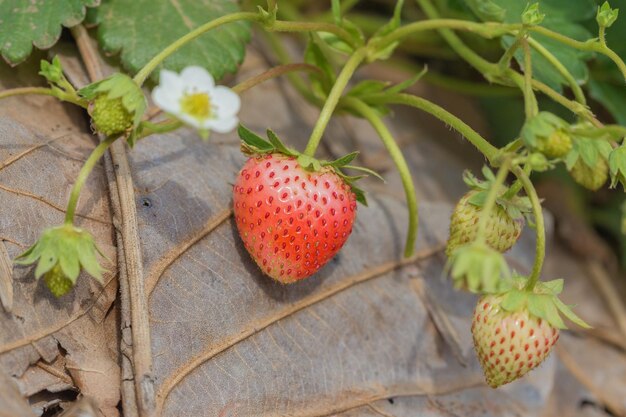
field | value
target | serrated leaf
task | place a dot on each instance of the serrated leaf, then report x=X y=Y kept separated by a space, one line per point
x=140 y=29
x=37 y=22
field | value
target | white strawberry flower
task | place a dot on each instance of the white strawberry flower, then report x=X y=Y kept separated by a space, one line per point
x=193 y=98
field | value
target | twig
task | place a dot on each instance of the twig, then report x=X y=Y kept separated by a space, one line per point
x=603 y=282
x=128 y=239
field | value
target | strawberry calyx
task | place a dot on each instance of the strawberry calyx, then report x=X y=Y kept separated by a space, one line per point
x=542 y=301
x=478 y=268
x=117 y=104
x=252 y=144
x=517 y=207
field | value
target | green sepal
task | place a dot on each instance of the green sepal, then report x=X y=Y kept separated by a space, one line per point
x=531 y=15
x=119 y=86
x=365 y=170
x=516 y=206
x=63 y=251
x=606 y=15
x=542 y=301
x=309 y=163
x=588 y=150
x=344 y=160
x=617 y=166
x=253 y=142
x=52 y=71
x=478 y=268
x=540 y=127
x=279 y=145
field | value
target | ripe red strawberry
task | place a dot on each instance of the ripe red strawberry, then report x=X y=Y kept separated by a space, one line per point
x=509 y=344
x=292 y=221
x=502 y=230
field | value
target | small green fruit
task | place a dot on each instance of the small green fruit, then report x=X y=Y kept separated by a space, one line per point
x=557 y=145
x=58 y=283
x=110 y=116
x=591 y=178
x=502 y=230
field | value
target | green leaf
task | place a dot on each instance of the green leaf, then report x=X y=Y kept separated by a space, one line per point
x=336 y=9
x=36 y=22
x=314 y=54
x=140 y=29
x=253 y=140
x=487 y=10
x=406 y=83
x=611 y=96
x=563 y=16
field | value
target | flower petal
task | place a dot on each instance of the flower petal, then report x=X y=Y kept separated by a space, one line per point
x=225 y=101
x=170 y=80
x=190 y=120
x=197 y=79
x=166 y=99
x=222 y=125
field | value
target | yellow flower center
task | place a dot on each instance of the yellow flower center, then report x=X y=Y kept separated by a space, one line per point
x=197 y=105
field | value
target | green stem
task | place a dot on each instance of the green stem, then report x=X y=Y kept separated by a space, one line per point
x=601 y=36
x=540 y=250
x=505 y=60
x=282 y=26
x=96 y=154
x=145 y=72
x=41 y=91
x=398 y=158
x=296 y=81
x=490 y=202
x=530 y=101
x=273 y=73
x=333 y=98
x=487 y=149
x=147 y=128
x=571 y=81
x=517 y=185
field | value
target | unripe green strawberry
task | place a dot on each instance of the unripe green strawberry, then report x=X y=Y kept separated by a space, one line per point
x=591 y=178
x=502 y=230
x=509 y=344
x=58 y=283
x=557 y=145
x=109 y=116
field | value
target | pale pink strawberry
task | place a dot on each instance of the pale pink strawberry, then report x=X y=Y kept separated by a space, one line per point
x=509 y=344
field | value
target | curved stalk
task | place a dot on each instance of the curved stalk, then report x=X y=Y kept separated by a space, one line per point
x=487 y=149
x=540 y=250
x=398 y=158
x=333 y=98
x=272 y=73
x=530 y=101
x=96 y=154
x=147 y=69
x=490 y=202
x=22 y=91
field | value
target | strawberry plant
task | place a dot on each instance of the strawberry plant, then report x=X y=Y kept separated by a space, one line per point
x=295 y=211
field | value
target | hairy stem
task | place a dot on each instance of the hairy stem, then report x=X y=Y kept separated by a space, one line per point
x=41 y=91
x=492 y=196
x=571 y=81
x=273 y=73
x=145 y=72
x=540 y=250
x=95 y=156
x=487 y=149
x=398 y=158
x=530 y=101
x=333 y=98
